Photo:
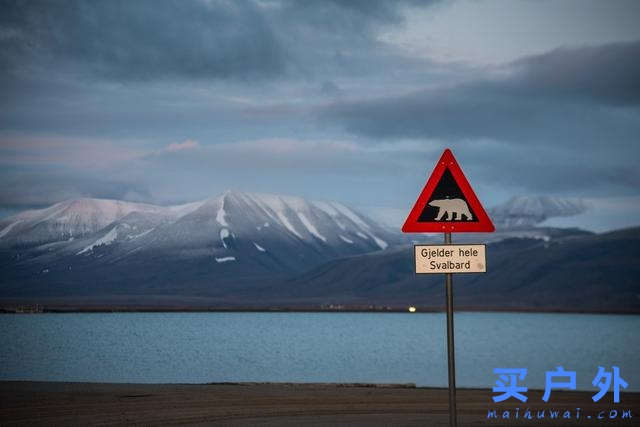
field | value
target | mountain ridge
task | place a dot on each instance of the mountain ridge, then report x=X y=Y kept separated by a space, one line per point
x=526 y=211
x=266 y=250
x=220 y=240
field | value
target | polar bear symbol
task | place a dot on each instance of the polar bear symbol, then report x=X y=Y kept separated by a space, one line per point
x=453 y=208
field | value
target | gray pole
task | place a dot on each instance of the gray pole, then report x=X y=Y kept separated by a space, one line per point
x=450 y=346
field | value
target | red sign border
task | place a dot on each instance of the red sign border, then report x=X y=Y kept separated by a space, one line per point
x=483 y=225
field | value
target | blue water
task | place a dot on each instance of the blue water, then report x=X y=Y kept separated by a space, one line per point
x=313 y=347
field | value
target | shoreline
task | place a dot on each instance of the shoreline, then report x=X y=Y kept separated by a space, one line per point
x=39 y=308
x=288 y=404
x=284 y=384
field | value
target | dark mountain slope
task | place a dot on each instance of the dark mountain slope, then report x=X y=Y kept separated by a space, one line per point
x=594 y=272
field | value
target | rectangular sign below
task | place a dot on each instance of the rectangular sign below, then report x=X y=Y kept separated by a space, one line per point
x=450 y=259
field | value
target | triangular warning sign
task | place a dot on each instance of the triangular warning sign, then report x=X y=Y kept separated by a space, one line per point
x=447 y=203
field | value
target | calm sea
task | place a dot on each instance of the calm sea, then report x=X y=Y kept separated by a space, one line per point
x=314 y=347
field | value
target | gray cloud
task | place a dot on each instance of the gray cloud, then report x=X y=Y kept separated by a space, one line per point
x=142 y=39
x=89 y=86
x=188 y=170
x=180 y=68
x=565 y=96
x=266 y=165
x=597 y=171
x=567 y=120
x=160 y=39
x=485 y=111
x=605 y=74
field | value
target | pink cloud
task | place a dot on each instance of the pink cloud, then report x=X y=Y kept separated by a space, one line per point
x=175 y=147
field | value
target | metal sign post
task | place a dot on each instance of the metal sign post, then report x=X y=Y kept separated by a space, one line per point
x=447 y=204
x=450 y=345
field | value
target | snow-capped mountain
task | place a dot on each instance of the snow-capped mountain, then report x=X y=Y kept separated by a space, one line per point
x=527 y=211
x=229 y=238
x=264 y=217
x=73 y=219
x=240 y=249
x=262 y=232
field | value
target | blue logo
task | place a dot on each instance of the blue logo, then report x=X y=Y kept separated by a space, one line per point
x=510 y=384
x=507 y=384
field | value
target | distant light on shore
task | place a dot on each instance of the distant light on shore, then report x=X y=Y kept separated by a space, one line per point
x=412 y=309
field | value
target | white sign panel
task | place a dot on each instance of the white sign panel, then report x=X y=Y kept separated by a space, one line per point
x=450 y=259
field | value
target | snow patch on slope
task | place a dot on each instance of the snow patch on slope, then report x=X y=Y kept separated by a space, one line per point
x=220 y=216
x=351 y=215
x=224 y=234
x=383 y=245
x=331 y=211
x=312 y=229
x=144 y=233
x=326 y=208
x=104 y=240
x=278 y=205
x=345 y=239
x=285 y=221
x=9 y=227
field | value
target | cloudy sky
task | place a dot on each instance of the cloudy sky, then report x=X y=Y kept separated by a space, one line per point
x=173 y=101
